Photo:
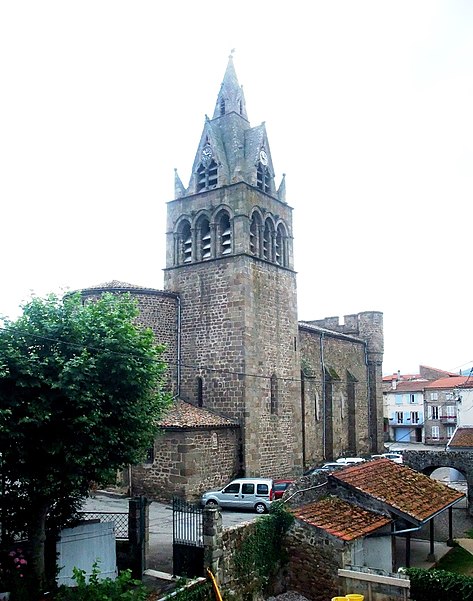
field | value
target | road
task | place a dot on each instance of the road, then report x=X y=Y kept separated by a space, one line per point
x=160 y=525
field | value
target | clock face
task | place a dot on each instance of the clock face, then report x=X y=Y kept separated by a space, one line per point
x=207 y=153
x=263 y=157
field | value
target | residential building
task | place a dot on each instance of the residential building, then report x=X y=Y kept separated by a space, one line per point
x=441 y=409
x=406 y=406
x=464 y=394
x=404 y=411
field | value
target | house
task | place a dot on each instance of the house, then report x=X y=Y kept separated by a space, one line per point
x=283 y=394
x=464 y=395
x=404 y=410
x=346 y=528
x=442 y=403
x=407 y=407
x=386 y=501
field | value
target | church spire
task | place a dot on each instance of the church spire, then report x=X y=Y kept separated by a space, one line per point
x=230 y=98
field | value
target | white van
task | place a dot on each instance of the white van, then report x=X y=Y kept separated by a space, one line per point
x=350 y=460
x=243 y=493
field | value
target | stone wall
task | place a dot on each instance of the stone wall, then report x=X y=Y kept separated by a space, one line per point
x=311 y=568
x=313 y=564
x=188 y=462
x=239 y=329
x=340 y=425
x=428 y=461
x=368 y=327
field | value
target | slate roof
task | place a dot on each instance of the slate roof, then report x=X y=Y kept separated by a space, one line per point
x=182 y=415
x=401 y=488
x=117 y=285
x=340 y=518
x=462 y=437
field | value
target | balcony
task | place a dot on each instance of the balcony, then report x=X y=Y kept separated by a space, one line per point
x=448 y=419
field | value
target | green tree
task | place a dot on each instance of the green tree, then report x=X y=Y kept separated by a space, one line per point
x=80 y=396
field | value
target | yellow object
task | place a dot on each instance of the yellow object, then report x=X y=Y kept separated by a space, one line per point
x=354 y=597
x=215 y=586
x=339 y=599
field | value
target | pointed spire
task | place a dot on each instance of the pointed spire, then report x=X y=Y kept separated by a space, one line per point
x=230 y=98
x=179 y=190
x=282 y=189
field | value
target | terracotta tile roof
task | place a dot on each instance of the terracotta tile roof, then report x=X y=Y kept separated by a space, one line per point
x=416 y=385
x=450 y=382
x=184 y=415
x=400 y=487
x=340 y=518
x=462 y=437
x=402 y=377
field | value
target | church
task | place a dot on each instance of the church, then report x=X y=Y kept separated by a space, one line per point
x=256 y=392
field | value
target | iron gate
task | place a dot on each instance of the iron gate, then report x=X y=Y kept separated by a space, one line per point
x=187 y=539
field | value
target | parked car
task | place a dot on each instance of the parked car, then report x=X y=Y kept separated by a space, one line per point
x=350 y=460
x=330 y=466
x=396 y=457
x=243 y=493
x=280 y=487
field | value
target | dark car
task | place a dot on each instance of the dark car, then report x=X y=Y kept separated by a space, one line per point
x=326 y=468
x=280 y=486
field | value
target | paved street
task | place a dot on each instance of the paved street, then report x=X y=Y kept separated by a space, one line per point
x=160 y=525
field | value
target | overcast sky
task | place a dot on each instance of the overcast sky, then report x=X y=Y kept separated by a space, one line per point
x=368 y=109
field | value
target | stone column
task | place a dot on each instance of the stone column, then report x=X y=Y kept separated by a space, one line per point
x=212 y=534
x=138 y=534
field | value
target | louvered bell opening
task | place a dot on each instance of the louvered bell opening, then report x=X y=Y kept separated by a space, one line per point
x=187 y=250
x=212 y=179
x=226 y=242
x=278 y=253
x=252 y=243
x=266 y=182
x=206 y=246
x=265 y=249
x=202 y=179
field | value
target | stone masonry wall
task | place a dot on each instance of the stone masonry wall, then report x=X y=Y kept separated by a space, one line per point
x=311 y=569
x=348 y=429
x=239 y=327
x=188 y=462
x=313 y=564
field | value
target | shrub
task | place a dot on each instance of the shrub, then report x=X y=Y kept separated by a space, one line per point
x=439 y=585
x=123 y=588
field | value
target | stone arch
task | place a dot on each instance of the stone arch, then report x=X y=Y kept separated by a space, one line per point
x=426 y=462
x=203 y=234
x=256 y=232
x=223 y=232
x=269 y=239
x=183 y=242
x=281 y=245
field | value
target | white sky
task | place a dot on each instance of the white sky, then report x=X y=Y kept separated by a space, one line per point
x=369 y=111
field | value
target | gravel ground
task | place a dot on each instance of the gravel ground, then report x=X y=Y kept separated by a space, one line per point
x=289 y=596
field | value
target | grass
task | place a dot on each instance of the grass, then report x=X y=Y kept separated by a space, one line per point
x=457 y=560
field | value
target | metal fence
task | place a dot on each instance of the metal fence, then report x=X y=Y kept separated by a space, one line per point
x=120 y=520
x=188 y=541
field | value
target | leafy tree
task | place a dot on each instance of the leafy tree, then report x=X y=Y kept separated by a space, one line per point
x=80 y=396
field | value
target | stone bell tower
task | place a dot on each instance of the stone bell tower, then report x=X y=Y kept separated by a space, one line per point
x=230 y=258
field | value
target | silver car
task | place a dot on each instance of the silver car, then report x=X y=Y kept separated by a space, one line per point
x=255 y=494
